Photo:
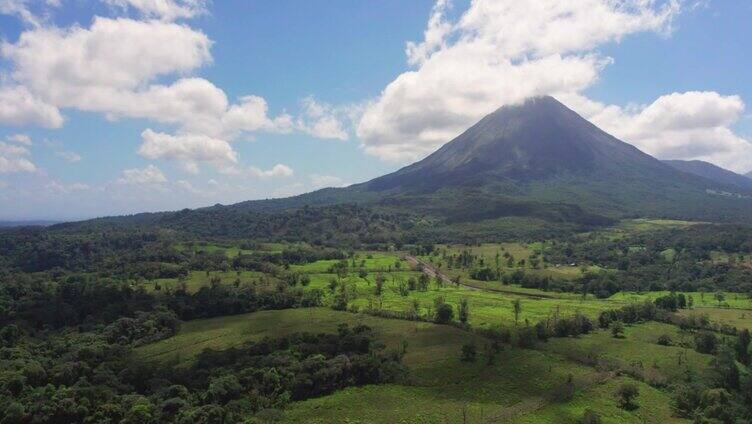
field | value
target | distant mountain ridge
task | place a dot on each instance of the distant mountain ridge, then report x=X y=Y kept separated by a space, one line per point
x=712 y=172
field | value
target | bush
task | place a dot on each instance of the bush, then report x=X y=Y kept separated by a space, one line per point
x=617 y=329
x=626 y=394
x=665 y=340
x=590 y=417
x=468 y=352
x=705 y=342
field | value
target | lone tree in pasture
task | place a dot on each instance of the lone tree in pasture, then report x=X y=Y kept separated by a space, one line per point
x=626 y=395
x=719 y=297
x=617 y=329
x=517 y=309
x=464 y=310
x=379 y=286
x=469 y=352
x=444 y=312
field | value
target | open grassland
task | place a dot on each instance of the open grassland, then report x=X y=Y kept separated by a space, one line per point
x=701 y=301
x=654 y=407
x=197 y=279
x=740 y=319
x=520 y=385
x=229 y=250
x=638 y=352
x=487 y=309
x=370 y=261
x=506 y=257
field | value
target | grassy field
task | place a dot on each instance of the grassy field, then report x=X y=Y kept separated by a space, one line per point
x=520 y=385
x=700 y=300
x=487 y=309
x=371 y=261
x=198 y=279
x=734 y=317
x=638 y=352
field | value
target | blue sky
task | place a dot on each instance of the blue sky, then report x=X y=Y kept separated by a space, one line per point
x=121 y=106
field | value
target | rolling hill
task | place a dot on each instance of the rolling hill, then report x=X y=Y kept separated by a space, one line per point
x=712 y=172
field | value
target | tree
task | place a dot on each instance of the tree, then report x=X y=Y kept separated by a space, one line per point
x=468 y=352
x=719 y=297
x=517 y=309
x=626 y=394
x=444 y=312
x=724 y=365
x=617 y=329
x=379 y=286
x=464 y=310
x=742 y=347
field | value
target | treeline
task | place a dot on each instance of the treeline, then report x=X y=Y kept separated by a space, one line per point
x=668 y=259
x=93 y=377
x=84 y=300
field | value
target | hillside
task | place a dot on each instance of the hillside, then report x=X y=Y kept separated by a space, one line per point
x=712 y=172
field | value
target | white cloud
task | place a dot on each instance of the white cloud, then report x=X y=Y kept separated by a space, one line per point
x=71 y=157
x=188 y=149
x=13 y=159
x=321 y=120
x=19 y=8
x=163 y=9
x=147 y=176
x=278 y=170
x=322 y=181
x=690 y=125
x=85 y=68
x=251 y=114
x=19 y=107
x=496 y=53
x=20 y=139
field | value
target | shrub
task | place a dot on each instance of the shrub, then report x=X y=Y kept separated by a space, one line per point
x=626 y=394
x=468 y=352
x=590 y=417
x=665 y=340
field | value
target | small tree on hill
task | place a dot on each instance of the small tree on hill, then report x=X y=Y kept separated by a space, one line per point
x=719 y=297
x=617 y=329
x=626 y=394
x=464 y=310
x=517 y=309
x=468 y=352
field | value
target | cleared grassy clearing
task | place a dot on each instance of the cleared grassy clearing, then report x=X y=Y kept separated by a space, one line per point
x=230 y=251
x=637 y=352
x=487 y=309
x=371 y=261
x=197 y=279
x=700 y=300
x=734 y=317
x=654 y=407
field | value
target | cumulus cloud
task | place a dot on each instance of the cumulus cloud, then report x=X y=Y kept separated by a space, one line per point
x=147 y=176
x=497 y=53
x=689 y=125
x=278 y=170
x=321 y=120
x=163 y=9
x=188 y=149
x=82 y=67
x=13 y=158
x=19 y=107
